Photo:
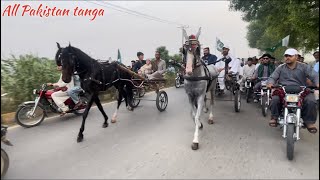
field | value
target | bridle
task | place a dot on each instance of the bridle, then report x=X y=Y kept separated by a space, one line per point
x=193 y=46
x=73 y=62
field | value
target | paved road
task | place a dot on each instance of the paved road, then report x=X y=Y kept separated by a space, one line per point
x=149 y=144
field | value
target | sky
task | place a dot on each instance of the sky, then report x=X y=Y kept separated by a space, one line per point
x=102 y=37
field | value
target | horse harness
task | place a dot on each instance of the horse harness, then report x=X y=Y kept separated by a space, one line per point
x=207 y=76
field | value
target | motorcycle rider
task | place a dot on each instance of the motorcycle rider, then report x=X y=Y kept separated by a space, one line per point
x=74 y=91
x=248 y=71
x=59 y=97
x=264 y=70
x=294 y=74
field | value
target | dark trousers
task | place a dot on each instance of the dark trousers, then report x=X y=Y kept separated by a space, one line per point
x=256 y=88
x=308 y=111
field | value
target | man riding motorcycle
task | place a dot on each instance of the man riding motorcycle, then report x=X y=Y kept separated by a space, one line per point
x=293 y=73
x=60 y=96
x=248 y=71
x=263 y=71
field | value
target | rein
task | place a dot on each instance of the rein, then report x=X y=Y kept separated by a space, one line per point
x=200 y=78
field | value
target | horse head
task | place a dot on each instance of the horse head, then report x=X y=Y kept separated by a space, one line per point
x=66 y=58
x=191 y=52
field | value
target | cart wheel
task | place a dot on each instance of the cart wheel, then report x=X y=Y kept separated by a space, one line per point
x=162 y=100
x=237 y=101
x=135 y=99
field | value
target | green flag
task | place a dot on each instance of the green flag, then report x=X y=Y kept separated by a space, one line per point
x=219 y=45
x=119 y=56
x=283 y=42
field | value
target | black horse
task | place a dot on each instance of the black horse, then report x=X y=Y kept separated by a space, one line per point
x=94 y=77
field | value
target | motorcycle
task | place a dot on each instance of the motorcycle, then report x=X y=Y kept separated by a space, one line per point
x=264 y=96
x=4 y=155
x=179 y=80
x=249 y=88
x=290 y=119
x=32 y=113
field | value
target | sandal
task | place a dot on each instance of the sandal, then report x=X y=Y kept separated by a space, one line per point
x=63 y=113
x=312 y=129
x=273 y=123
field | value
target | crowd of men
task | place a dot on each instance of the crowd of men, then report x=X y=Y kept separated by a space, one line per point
x=291 y=71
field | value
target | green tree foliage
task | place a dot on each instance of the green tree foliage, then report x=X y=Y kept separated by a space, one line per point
x=19 y=76
x=272 y=20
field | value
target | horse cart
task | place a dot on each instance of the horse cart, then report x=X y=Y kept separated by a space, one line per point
x=233 y=86
x=141 y=84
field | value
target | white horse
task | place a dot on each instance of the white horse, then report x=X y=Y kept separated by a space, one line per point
x=199 y=80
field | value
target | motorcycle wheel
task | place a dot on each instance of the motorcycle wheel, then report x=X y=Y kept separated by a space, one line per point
x=4 y=163
x=237 y=101
x=248 y=95
x=177 y=83
x=290 y=141
x=25 y=120
x=264 y=105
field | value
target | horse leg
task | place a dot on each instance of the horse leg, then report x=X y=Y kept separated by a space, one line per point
x=205 y=108
x=128 y=94
x=115 y=114
x=193 y=107
x=84 y=117
x=210 y=120
x=98 y=103
x=198 y=124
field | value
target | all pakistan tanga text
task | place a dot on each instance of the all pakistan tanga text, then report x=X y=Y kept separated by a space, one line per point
x=45 y=11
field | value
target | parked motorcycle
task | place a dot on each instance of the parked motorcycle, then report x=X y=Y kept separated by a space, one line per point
x=32 y=113
x=290 y=119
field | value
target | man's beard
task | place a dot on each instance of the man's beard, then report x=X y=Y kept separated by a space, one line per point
x=289 y=62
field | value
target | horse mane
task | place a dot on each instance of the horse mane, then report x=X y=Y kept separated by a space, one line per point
x=81 y=54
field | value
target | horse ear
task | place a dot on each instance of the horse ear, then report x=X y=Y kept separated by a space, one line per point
x=198 y=34
x=59 y=47
x=69 y=47
x=185 y=35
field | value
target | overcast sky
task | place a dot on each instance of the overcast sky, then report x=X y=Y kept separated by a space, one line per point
x=102 y=37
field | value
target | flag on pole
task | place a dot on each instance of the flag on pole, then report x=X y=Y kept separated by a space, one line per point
x=119 y=56
x=283 y=42
x=219 y=44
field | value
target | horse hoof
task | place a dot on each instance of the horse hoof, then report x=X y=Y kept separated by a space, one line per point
x=201 y=126
x=205 y=110
x=130 y=108
x=195 y=146
x=113 y=120
x=104 y=125
x=79 y=139
x=210 y=121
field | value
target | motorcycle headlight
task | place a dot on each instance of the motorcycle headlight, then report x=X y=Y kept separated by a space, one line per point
x=35 y=91
x=292 y=98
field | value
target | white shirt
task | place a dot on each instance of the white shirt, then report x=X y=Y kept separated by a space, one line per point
x=61 y=83
x=248 y=70
x=235 y=65
x=219 y=65
x=257 y=65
